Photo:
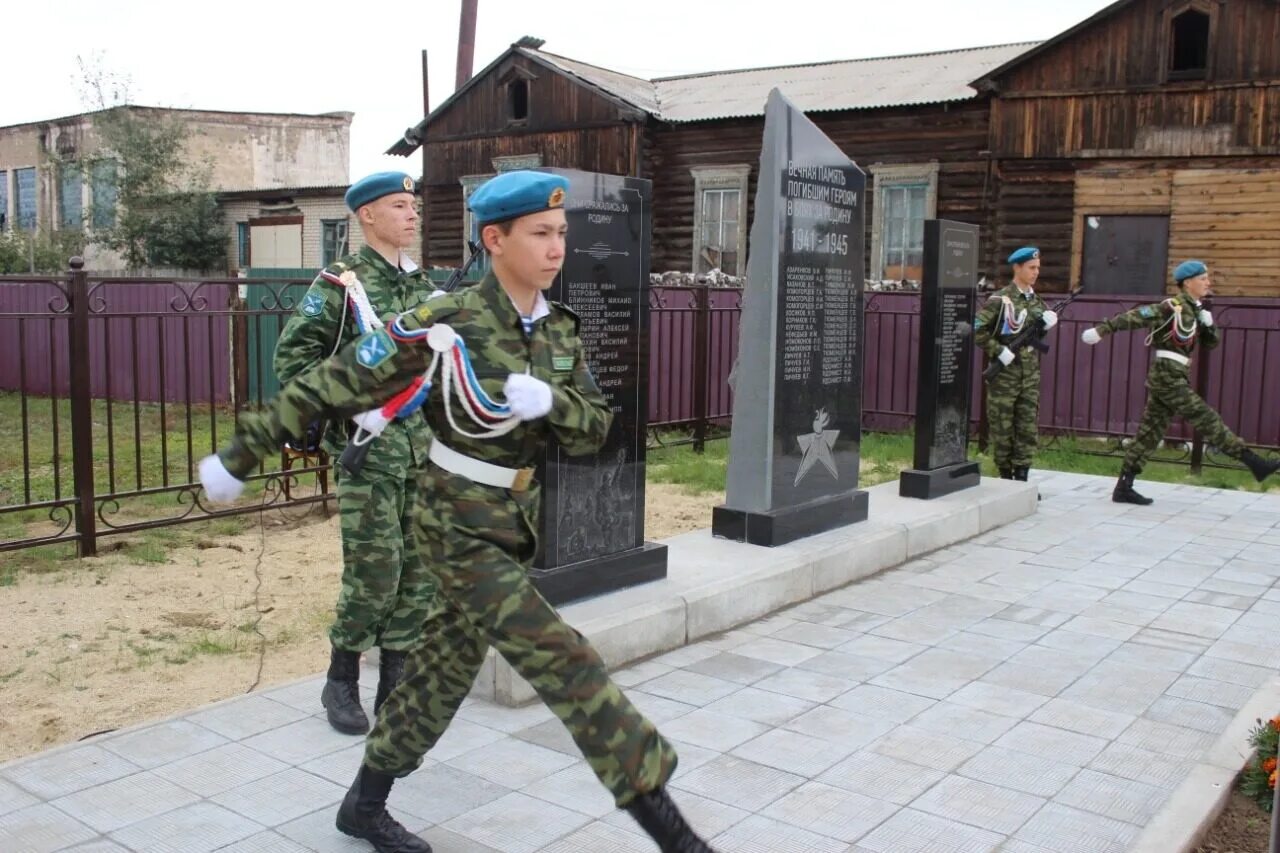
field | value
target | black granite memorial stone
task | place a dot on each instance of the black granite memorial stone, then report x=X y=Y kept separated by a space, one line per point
x=947 y=297
x=794 y=449
x=592 y=526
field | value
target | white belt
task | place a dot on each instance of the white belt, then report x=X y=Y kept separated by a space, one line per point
x=1173 y=356
x=515 y=479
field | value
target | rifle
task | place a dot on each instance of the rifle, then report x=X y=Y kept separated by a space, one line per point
x=1031 y=335
x=357 y=449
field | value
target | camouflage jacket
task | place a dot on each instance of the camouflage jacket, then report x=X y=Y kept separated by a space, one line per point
x=990 y=331
x=309 y=336
x=489 y=324
x=1174 y=323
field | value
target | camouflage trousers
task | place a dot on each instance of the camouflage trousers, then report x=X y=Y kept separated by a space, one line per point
x=1013 y=408
x=480 y=542
x=386 y=588
x=1169 y=393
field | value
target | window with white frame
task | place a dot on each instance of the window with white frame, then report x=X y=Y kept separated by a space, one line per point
x=720 y=218
x=70 y=197
x=904 y=197
x=333 y=240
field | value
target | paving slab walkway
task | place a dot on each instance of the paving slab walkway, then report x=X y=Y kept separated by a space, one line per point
x=1046 y=686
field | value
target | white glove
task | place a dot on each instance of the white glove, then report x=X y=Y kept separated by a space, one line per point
x=1050 y=318
x=436 y=293
x=528 y=396
x=1006 y=356
x=1206 y=316
x=218 y=483
x=1090 y=336
x=373 y=422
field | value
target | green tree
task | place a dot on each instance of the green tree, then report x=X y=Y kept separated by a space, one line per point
x=38 y=252
x=166 y=213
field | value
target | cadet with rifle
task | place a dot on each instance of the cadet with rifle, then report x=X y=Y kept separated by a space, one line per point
x=1175 y=326
x=386 y=588
x=1008 y=329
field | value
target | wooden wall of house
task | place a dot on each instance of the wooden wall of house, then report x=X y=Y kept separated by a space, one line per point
x=1226 y=216
x=951 y=134
x=601 y=149
x=556 y=102
x=1034 y=208
x=1103 y=91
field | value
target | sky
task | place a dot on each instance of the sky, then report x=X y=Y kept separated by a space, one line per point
x=326 y=56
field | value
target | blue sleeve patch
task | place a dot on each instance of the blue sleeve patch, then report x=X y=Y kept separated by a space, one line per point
x=978 y=323
x=312 y=303
x=374 y=349
x=1147 y=311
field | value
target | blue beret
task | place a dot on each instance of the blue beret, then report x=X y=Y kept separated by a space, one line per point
x=376 y=186
x=518 y=193
x=1026 y=253
x=1188 y=269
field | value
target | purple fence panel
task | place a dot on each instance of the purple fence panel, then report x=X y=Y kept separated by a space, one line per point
x=724 y=310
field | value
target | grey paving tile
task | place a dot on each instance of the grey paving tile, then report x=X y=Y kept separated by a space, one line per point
x=1201 y=620
x=300 y=742
x=1211 y=692
x=996 y=699
x=820 y=636
x=690 y=687
x=881 y=777
x=761 y=706
x=575 y=788
x=248 y=716
x=979 y=804
x=687 y=655
x=1033 y=616
x=803 y=684
x=841 y=665
x=968 y=643
x=280 y=798
x=316 y=831
x=1076 y=717
x=517 y=823
x=793 y=752
x=1189 y=714
x=462 y=737
x=638 y=674
x=41 y=829
x=1066 y=830
x=1167 y=739
x=1052 y=744
x=691 y=757
x=600 y=836
x=659 y=709
x=13 y=798
x=102 y=845
x=117 y=804
x=738 y=782
x=1231 y=672
x=914 y=628
x=911 y=831
x=830 y=811
x=341 y=767
x=1152 y=657
x=503 y=718
x=1141 y=765
x=304 y=695
x=513 y=763
x=1020 y=771
x=198 y=828
x=971 y=724
x=708 y=817
x=922 y=680
x=874 y=701
x=269 y=842
x=440 y=793
x=1113 y=797
x=67 y=771
x=840 y=727
x=1120 y=687
x=926 y=748
x=882 y=648
x=1030 y=679
x=712 y=730
x=777 y=651
x=736 y=668
x=1079 y=647
x=758 y=834
x=551 y=734
x=220 y=769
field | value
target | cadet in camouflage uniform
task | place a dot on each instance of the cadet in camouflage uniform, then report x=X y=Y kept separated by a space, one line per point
x=386 y=588
x=1175 y=325
x=1013 y=396
x=478 y=527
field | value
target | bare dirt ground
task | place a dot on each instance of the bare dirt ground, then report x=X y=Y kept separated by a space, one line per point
x=107 y=643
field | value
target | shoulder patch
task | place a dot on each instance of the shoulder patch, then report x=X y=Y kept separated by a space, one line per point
x=312 y=303
x=374 y=349
x=1147 y=311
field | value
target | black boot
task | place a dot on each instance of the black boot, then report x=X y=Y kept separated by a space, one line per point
x=1021 y=473
x=1006 y=473
x=1260 y=467
x=390 y=668
x=1124 y=493
x=363 y=814
x=659 y=816
x=341 y=694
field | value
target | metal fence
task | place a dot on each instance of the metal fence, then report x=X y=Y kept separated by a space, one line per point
x=112 y=389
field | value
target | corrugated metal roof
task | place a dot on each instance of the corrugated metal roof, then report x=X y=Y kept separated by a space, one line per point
x=925 y=78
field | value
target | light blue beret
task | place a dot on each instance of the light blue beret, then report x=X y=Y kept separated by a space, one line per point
x=1026 y=253
x=518 y=193
x=1188 y=269
x=375 y=187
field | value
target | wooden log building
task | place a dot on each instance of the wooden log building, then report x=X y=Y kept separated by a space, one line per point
x=1144 y=135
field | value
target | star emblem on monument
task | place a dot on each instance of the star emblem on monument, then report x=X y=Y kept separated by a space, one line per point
x=817 y=446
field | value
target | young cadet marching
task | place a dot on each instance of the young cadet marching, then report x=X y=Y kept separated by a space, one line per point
x=386 y=588
x=1175 y=326
x=1013 y=396
x=507 y=373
